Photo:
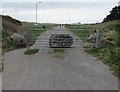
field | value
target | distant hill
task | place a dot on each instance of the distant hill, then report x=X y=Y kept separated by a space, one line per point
x=114 y=14
x=12 y=25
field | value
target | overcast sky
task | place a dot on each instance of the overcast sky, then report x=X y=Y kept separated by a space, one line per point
x=58 y=11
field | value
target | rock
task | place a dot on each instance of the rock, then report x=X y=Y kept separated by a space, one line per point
x=92 y=37
x=103 y=42
x=18 y=39
x=104 y=39
x=60 y=40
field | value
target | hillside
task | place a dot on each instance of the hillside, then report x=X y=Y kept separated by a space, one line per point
x=11 y=25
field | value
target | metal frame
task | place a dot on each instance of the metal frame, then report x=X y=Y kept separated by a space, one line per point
x=28 y=36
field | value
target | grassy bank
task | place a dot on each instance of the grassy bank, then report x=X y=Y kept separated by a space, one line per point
x=108 y=54
x=28 y=25
x=7 y=44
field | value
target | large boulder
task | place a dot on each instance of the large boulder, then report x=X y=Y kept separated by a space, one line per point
x=60 y=40
x=103 y=42
x=18 y=39
x=107 y=39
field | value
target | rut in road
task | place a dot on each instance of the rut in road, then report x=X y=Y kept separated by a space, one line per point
x=49 y=70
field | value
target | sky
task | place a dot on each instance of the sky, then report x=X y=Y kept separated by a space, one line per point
x=58 y=11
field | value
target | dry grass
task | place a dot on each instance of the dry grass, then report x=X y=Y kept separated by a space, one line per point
x=11 y=25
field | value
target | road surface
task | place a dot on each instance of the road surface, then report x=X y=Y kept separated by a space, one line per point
x=71 y=69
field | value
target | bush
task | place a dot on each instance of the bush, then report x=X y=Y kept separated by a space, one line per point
x=117 y=29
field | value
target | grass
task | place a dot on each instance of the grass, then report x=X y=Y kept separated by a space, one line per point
x=28 y=25
x=1 y=67
x=106 y=26
x=7 y=44
x=102 y=27
x=34 y=33
x=58 y=51
x=79 y=33
x=108 y=54
x=33 y=36
x=31 y=51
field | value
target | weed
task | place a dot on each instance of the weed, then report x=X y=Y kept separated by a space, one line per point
x=31 y=51
x=58 y=51
x=109 y=55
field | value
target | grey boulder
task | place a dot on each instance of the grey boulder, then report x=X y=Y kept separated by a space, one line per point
x=18 y=39
x=103 y=42
x=60 y=40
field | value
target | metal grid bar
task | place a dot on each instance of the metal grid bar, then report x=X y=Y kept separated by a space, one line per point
x=65 y=29
x=66 y=41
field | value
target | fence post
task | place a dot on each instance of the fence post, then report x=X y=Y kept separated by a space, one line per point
x=97 y=38
x=28 y=40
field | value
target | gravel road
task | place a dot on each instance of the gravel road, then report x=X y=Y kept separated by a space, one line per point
x=71 y=69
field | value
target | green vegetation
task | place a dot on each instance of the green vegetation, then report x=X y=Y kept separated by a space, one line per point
x=114 y=14
x=28 y=25
x=1 y=66
x=79 y=33
x=31 y=51
x=7 y=44
x=102 y=27
x=34 y=33
x=58 y=51
x=109 y=54
x=33 y=36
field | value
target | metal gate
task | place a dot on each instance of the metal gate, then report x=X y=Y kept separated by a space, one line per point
x=82 y=38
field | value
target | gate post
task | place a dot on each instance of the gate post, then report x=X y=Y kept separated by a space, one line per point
x=97 y=38
x=28 y=40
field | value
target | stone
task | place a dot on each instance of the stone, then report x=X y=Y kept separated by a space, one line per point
x=60 y=40
x=18 y=39
x=92 y=37
x=103 y=42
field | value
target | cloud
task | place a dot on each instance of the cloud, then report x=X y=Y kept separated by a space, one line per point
x=58 y=12
x=52 y=15
x=60 y=1
x=52 y=5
